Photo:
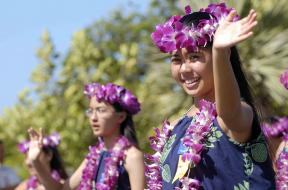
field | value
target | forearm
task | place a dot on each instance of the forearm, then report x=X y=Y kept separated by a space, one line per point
x=45 y=178
x=227 y=93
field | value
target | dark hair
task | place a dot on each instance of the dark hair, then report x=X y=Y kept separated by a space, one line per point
x=127 y=128
x=244 y=87
x=56 y=162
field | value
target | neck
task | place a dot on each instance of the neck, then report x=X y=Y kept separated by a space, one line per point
x=109 y=141
x=209 y=96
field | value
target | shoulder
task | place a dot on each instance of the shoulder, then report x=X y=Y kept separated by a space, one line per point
x=133 y=154
x=22 y=185
x=240 y=127
x=134 y=158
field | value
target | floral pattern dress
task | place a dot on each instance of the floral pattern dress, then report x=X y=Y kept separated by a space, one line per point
x=225 y=164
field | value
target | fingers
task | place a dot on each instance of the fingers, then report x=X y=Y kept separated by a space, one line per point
x=34 y=135
x=250 y=18
x=248 y=28
x=231 y=16
x=243 y=37
x=249 y=24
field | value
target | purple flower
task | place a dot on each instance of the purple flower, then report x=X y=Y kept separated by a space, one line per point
x=49 y=141
x=193 y=140
x=282 y=169
x=113 y=94
x=189 y=184
x=164 y=35
x=172 y=35
x=284 y=79
x=280 y=127
x=23 y=147
x=112 y=163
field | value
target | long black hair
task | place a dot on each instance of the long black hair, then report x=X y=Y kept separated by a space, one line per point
x=127 y=128
x=244 y=87
x=56 y=163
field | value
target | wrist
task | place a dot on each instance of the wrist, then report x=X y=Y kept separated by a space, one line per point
x=221 y=51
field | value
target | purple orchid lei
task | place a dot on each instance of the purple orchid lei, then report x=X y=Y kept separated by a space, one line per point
x=284 y=79
x=111 y=172
x=279 y=128
x=33 y=182
x=112 y=94
x=173 y=35
x=282 y=168
x=193 y=140
x=53 y=140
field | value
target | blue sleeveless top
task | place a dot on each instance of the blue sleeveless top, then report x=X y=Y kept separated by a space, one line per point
x=225 y=164
x=123 y=179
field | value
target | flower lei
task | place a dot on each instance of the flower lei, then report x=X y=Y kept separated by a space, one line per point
x=111 y=172
x=33 y=182
x=173 y=35
x=279 y=128
x=284 y=79
x=49 y=141
x=112 y=94
x=193 y=140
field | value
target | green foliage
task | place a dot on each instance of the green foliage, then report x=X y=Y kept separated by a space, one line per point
x=118 y=49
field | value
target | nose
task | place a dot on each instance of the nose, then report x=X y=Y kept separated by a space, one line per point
x=94 y=116
x=185 y=67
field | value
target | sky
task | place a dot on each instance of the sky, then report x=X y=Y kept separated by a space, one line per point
x=23 y=22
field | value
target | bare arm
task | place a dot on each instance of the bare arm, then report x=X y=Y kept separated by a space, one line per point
x=234 y=116
x=135 y=167
x=35 y=149
x=21 y=186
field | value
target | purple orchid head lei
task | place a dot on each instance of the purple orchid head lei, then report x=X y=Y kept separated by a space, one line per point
x=49 y=141
x=114 y=95
x=175 y=34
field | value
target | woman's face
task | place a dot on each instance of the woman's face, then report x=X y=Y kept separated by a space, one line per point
x=194 y=72
x=44 y=158
x=104 y=120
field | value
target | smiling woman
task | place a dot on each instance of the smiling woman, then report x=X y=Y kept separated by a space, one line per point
x=116 y=161
x=218 y=143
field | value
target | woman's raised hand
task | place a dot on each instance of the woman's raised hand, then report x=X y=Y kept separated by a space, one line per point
x=35 y=145
x=230 y=33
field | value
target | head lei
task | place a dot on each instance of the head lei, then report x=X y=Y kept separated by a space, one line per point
x=173 y=34
x=49 y=141
x=113 y=94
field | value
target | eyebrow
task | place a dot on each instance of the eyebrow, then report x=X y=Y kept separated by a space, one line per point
x=175 y=55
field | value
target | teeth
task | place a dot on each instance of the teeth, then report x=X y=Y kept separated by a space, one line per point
x=190 y=81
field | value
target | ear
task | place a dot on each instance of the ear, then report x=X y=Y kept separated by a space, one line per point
x=122 y=116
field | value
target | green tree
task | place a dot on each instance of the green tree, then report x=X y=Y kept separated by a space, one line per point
x=118 y=49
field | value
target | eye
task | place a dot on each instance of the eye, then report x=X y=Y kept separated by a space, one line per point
x=175 y=59
x=89 y=112
x=101 y=109
x=194 y=57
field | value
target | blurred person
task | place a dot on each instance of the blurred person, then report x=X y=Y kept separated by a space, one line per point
x=116 y=161
x=8 y=177
x=49 y=158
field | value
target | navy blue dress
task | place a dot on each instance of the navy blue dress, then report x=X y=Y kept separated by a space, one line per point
x=123 y=180
x=225 y=164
